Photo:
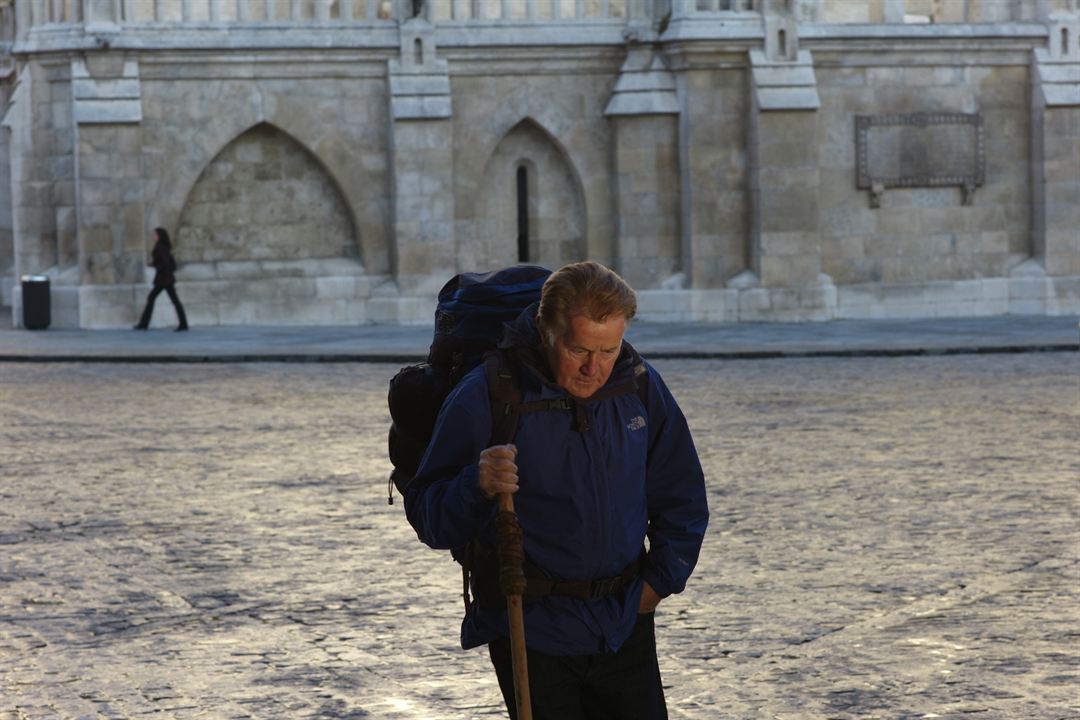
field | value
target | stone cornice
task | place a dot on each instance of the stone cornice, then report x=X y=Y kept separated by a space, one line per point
x=550 y=35
x=533 y=61
x=280 y=36
x=261 y=65
x=208 y=37
x=687 y=42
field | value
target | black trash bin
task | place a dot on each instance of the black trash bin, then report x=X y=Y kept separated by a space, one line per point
x=36 y=306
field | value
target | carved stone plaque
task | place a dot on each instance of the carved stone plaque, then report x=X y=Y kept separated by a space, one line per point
x=919 y=150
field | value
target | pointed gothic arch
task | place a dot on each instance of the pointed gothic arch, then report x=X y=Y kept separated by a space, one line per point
x=366 y=203
x=265 y=197
x=551 y=216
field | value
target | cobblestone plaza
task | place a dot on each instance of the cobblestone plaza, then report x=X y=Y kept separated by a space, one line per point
x=890 y=538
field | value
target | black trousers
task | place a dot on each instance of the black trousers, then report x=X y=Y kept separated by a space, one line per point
x=610 y=686
x=149 y=311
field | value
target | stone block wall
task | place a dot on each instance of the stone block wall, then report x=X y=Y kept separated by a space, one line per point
x=924 y=233
x=553 y=209
x=1061 y=174
x=264 y=197
x=43 y=170
x=277 y=188
x=553 y=121
x=346 y=180
x=423 y=203
x=714 y=158
x=111 y=218
x=337 y=141
x=789 y=252
x=646 y=172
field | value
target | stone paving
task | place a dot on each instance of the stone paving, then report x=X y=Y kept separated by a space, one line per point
x=890 y=538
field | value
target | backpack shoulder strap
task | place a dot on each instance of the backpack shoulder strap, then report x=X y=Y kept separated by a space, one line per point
x=504 y=391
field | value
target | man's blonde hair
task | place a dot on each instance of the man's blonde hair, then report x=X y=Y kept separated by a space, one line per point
x=584 y=288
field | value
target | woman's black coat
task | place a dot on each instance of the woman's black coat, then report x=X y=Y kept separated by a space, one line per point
x=162 y=260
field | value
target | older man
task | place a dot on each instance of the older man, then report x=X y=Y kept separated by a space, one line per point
x=608 y=466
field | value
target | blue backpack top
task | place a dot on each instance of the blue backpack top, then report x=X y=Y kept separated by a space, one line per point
x=474 y=307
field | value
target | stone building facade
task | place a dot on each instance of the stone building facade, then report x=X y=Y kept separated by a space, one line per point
x=335 y=161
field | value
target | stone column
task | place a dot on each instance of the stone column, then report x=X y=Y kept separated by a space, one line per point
x=110 y=215
x=422 y=162
x=644 y=116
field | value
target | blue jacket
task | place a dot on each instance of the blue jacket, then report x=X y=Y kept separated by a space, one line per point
x=586 y=501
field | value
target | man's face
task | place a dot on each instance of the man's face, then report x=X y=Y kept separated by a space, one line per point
x=582 y=360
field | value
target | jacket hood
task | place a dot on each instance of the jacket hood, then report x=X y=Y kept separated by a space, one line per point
x=521 y=338
x=522 y=332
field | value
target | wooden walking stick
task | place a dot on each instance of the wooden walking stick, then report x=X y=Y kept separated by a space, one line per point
x=512 y=582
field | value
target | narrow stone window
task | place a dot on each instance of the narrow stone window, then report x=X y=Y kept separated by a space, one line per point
x=782 y=43
x=1064 y=41
x=418 y=51
x=523 y=214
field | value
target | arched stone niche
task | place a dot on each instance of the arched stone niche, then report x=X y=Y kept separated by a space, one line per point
x=556 y=217
x=264 y=198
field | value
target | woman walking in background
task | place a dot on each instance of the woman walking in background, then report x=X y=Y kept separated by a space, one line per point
x=162 y=260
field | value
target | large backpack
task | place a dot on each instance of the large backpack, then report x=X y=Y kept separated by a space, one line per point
x=470 y=317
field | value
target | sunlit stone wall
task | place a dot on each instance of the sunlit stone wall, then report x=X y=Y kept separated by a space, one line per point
x=264 y=198
x=339 y=163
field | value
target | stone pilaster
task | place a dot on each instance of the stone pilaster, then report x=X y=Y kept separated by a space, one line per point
x=1049 y=281
x=111 y=214
x=422 y=162
x=43 y=187
x=784 y=253
x=643 y=112
x=784 y=245
x=7 y=245
x=1056 y=151
x=17 y=125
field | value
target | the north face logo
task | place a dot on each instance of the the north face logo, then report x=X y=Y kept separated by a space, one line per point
x=636 y=424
